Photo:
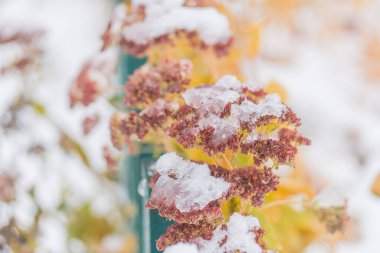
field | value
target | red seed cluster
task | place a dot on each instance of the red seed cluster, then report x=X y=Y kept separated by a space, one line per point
x=150 y=83
x=193 y=233
x=212 y=211
x=199 y=3
x=85 y=90
x=186 y=130
x=7 y=187
x=94 y=78
x=185 y=233
x=259 y=235
x=220 y=49
x=282 y=150
x=148 y=91
x=335 y=218
x=133 y=123
x=110 y=158
x=247 y=183
x=89 y=123
x=121 y=17
x=150 y=88
x=124 y=17
x=29 y=48
x=124 y=125
x=20 y=36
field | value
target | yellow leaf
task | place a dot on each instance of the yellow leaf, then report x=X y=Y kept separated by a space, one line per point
x=39 y=108
x=275 y=87
x=376 y=186
x=70 y=145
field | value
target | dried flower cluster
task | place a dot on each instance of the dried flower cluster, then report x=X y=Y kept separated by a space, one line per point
x=94 y=78
x=240 y=117
x=147 y=23
x=111 y=159
x=22 y=49
x=89 y=123
x=242 y=132
x=191 y=194
x=247 y=183
x=228 y=116
x=234 y=134
x=7 y=187
x=148 y=84
x=150 y=90
x=239 y=234
x=190 y=202
x=135 y=27
x=334 y=218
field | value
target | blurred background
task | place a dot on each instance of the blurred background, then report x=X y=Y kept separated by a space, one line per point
x=59 y=194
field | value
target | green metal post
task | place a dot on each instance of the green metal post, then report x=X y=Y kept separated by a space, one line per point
x=147 y=224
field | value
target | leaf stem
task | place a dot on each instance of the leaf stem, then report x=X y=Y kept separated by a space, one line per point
x=216 y=160
x=229 y=165
x=281 y=202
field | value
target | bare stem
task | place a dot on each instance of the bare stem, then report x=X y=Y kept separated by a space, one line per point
x=281 y=203
x=216 y=160
x=229 y=165
x=250 y=160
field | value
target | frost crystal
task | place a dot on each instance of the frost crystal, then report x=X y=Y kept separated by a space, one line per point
x=187 y=185
x=163 y=17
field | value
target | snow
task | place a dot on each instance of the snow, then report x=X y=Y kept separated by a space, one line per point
x=118 y=18
x=186 y=184
x=166 y=17
x=72 y=36
x=223 y=127
x=252 y=137
x=239 y=236
x=102 y=66
x=182 y=248
x=248 y=111
x=212 y=100
x=229 y=82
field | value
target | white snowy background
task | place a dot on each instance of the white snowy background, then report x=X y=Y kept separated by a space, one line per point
x=73 y=29
x=324 y=80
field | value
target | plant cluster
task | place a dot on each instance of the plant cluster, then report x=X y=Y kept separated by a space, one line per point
x=40 y=162
x=242 y=132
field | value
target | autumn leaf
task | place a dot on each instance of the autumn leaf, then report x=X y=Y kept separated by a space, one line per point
x=376 y=186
